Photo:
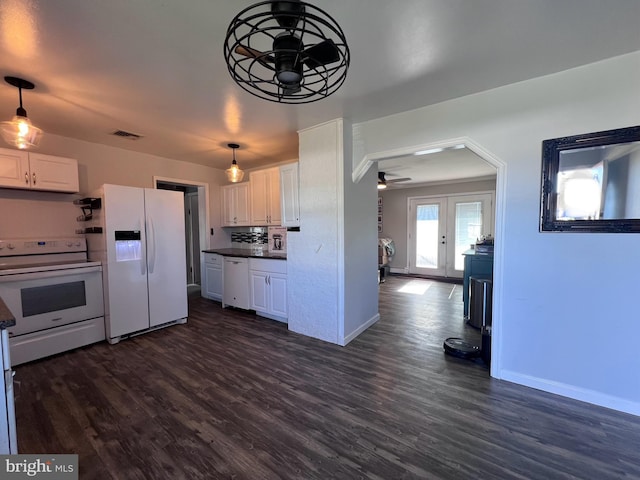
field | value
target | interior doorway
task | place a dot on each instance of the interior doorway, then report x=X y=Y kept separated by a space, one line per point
x=196 y=207
x=404 y=156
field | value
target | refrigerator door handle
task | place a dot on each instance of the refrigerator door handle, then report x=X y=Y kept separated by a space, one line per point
x=151 y=245
x=143 y=257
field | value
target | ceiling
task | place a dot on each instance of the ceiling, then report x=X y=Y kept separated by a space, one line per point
x=156 y=67
x=451 y=164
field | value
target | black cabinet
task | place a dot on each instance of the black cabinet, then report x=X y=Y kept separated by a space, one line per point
x=477 y=265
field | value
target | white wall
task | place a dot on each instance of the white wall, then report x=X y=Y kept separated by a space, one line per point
x=25 y=213
x=394 y=210
x=315 y=254
x=360 y=250
x=566 y=303
x=332 y=260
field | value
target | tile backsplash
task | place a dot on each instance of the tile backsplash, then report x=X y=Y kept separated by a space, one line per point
x=249 y=237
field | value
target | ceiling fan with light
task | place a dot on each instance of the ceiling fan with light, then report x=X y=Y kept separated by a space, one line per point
x=286 y=51
x=383 y=182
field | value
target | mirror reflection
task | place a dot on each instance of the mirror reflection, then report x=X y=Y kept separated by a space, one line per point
x=599 y=183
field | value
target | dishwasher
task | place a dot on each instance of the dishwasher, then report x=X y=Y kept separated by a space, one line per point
x=235 y=272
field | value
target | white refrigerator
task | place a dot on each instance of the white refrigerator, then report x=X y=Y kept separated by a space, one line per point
x=8 y=432
x=143 y=254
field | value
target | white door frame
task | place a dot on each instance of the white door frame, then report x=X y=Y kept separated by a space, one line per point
x=194 y=260
x=487 y=222
x=440 y=200
x=203 y=210
x=447 y=216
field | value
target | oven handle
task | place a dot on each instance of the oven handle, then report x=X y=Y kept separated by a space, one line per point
x=19 y=277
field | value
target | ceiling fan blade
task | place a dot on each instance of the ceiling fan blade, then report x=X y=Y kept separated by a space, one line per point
x=397 y=180
x=321 y=54
x=261 y=57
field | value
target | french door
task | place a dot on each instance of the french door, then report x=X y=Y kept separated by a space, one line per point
x=442 y=228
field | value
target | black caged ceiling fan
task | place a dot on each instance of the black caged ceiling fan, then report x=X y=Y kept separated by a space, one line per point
x=286 y=51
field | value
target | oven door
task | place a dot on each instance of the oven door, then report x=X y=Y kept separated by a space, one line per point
x=44 y=300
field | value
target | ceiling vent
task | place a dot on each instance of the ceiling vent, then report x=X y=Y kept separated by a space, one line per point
x=127 y=135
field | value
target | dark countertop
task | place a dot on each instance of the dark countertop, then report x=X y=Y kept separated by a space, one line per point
x=246 y=253
x=6 y=317
x=477 y=253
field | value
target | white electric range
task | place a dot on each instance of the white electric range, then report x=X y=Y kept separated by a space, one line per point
x=54 y=292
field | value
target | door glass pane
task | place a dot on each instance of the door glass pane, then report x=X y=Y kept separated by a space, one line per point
x=468 y=228
x=427 y=236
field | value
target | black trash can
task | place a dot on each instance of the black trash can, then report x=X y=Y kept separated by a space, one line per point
x=480 y=302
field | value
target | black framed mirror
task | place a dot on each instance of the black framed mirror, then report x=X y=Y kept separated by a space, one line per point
x=591 y=182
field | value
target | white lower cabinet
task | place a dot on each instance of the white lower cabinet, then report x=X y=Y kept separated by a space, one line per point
x=212 y=284
x=268 y=285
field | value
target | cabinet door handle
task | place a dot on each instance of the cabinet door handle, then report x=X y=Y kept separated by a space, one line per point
x=34 y=177
x=26 y=178
x=269 y=280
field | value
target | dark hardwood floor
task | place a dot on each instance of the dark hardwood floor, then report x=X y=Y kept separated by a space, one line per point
x=232 y=395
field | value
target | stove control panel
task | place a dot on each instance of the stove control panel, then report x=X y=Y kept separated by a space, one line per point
x=35 y=246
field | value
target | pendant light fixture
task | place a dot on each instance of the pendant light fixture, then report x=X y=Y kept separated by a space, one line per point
x=234 y=174
x=20 y=132
x=286 y=51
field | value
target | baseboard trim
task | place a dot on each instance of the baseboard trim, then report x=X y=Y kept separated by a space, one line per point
x=277 y=318
x=399 y=270
x=577 y=393
x=360 y=329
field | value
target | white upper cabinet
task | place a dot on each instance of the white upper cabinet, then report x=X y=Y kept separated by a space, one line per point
x=36 y=171
x=53 y=173
x=14 y=169
x=235 y=205
x=265 y=197
x=289 y=195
